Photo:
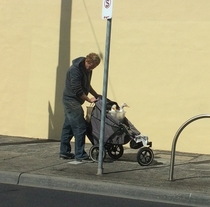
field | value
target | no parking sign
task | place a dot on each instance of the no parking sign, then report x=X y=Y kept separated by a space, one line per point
x=107 y=6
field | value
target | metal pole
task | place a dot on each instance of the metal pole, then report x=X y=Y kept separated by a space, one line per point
x=104 y=95
x=173 y=148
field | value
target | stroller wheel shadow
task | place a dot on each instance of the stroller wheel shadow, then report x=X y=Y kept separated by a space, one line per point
x=130 y=157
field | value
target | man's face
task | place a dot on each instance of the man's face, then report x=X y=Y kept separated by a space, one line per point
x=90 y=66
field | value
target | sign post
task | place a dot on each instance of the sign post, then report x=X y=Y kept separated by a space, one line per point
x=107 y=6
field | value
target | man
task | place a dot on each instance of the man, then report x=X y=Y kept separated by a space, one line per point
x=75 y=93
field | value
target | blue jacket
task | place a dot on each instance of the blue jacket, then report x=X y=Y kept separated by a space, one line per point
x=77 y=80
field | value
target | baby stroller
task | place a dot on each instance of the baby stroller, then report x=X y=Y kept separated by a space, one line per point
x=118 y=132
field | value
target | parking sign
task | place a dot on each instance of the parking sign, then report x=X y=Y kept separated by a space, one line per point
x=107 y=9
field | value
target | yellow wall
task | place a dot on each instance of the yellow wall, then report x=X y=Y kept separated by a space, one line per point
x=159 y=65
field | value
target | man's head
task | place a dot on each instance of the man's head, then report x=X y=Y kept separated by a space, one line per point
x=92 y=60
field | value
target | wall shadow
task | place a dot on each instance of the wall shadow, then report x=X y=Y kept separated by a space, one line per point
x=56 y=119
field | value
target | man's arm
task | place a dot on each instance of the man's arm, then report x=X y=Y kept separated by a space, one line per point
x=86 y=98
x=93 y=92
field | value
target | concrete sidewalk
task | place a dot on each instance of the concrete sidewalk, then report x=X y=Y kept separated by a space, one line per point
x=34 y=162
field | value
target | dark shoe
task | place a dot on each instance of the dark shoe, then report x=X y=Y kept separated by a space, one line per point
x=67 y=156
x=87 y=158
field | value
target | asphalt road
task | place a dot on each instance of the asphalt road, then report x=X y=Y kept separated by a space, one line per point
x=21 y=196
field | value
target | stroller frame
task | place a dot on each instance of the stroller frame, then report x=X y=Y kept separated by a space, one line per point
x=117 y=134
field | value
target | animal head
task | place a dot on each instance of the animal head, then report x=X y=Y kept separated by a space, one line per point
x=124 y=105
x=114 y=107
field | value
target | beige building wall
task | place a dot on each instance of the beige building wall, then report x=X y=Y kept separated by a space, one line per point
x=159 y=65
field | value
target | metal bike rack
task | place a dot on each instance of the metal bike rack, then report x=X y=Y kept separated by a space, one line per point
x=173 y=149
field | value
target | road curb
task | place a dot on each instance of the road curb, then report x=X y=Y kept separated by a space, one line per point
x=104 y=188
x=9 y=177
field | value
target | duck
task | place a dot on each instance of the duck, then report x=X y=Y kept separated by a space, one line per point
x=113 y=110
x=120 y=115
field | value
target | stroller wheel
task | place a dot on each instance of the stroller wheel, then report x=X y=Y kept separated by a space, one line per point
x=145 y=156
x=115 y=151
x=94 y=153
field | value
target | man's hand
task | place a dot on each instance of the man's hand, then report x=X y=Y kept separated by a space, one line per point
x=93 y=99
